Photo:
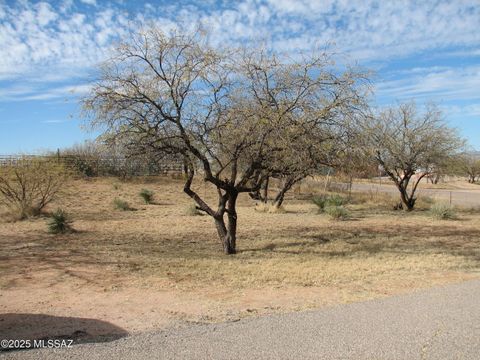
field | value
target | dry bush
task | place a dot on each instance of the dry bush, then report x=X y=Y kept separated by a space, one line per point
x=337 y=212
x=376 y=198
x=442 y=211
x=30 y=184
x=120 y=204
x=191 y=210
x=269 y=208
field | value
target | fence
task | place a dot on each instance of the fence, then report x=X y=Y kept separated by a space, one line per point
x=103 y=166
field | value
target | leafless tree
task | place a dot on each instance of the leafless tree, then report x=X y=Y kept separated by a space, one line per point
x=409 y=145
x=312 y=104
x=469 y=164
x=220 y=110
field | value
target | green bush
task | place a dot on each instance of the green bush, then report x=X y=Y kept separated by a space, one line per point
x=442 y=211
x=320 y=201
x=323 y=201
x=120 y=204
x=147 y=196
x=336 y=200
x=59 y=222
x=336 y=212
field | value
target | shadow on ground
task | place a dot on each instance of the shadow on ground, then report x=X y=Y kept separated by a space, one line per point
x=47 y=327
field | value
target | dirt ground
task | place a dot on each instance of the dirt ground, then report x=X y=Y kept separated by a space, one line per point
x=157 y=265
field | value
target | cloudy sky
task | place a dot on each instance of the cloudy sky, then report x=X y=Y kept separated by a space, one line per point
x=428 y=50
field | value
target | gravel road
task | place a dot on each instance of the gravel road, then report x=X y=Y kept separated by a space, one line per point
x=440 y=323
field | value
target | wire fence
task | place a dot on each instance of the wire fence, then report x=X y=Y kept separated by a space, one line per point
x=102 y=166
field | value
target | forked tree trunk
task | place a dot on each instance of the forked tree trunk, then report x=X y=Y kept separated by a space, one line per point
x=408 y=199
x=227 y=232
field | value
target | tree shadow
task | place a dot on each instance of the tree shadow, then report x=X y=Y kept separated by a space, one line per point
x=47 y=327
x=408 y=239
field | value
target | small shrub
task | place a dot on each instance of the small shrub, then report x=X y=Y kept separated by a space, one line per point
x=269 y=208
x=320 y=201
x=442 y=211
x=59 y=222
x=146 y=195
x=323 y=201
x=191 y=210
x=337 y=212
x=30 y=184
x=120 y=204
x=335 y=200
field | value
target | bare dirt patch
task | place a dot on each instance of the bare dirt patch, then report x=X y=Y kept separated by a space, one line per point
x=156 y=266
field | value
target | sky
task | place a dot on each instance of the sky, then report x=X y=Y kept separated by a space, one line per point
x=425 y=50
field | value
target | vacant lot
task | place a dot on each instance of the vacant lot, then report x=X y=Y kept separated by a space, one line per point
x=157 y=265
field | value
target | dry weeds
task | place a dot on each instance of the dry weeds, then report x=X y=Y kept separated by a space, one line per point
x=168 y=263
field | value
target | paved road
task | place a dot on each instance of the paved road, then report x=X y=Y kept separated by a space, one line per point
x=468 y=198
x=441 y=323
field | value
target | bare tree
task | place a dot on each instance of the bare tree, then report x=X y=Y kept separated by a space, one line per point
x=174 y=94
x=312 y=103
x=409 y=145
x=469 y=164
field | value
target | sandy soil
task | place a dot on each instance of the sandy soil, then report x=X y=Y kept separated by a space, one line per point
x=131 y=271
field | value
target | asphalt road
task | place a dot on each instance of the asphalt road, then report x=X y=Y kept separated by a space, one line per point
x=441 y=323
x=468 y=198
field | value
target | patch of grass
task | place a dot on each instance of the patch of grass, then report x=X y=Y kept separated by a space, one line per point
x=269 y=208
x=442 y=211
x=337 y=212
x=147 y=195
x=191 y=210
x=59 y=222
x=120 y=204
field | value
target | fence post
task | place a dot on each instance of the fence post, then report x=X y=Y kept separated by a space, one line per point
x=450 y=198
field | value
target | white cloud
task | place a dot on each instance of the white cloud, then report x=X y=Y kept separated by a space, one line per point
x=32 y=91
x=89 y=2
x=437 y=83
x=46 y=44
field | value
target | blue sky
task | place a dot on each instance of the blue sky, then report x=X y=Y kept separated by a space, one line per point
x=428 y=50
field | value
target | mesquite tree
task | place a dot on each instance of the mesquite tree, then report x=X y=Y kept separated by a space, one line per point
x=174 y=94
x=469 y=164
x=409 y=145
x=313 y=104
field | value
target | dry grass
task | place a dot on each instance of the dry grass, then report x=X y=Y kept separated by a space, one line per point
x=159 y=247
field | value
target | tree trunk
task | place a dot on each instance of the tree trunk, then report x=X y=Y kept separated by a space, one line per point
x=278 y=201
x=228 y=232
x=265 y=190
x=409 y=201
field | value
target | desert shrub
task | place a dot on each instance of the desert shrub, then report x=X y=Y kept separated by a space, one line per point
x=320 y=201
x=30 y=184
x=59 y=222
x=442 y=211
x=191 y=210
x=146 y=195
x=120 y=204
x=323 y=201
x=336 y=212
x=336 y=200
